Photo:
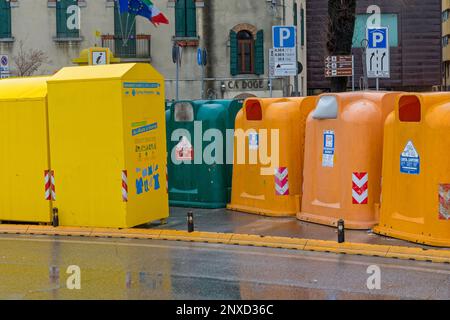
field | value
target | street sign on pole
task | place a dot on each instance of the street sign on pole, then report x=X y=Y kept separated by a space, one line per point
x=377 y=53
x=338 y=66
x=4 y=66
x=284 y=36
x=284 y=40
x=285 y=62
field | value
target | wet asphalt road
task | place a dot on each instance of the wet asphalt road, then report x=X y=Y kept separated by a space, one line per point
x=35 y=268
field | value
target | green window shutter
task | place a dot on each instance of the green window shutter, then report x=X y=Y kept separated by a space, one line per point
x=5 y=19
x=180 y=18
x=191 y=18
x=259 y=53
x=62 y=16
x=295 y=9
x=233 y=53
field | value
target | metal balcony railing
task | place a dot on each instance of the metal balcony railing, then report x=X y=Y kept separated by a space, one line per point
x=136 y=47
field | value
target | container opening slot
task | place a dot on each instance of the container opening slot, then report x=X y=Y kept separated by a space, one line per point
x=409 y=109
x=327 y=108
x=253 y=110
x=184 y=112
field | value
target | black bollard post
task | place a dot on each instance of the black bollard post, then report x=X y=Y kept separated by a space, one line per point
x=55 y=220
x=190 y=221
x=341 y=231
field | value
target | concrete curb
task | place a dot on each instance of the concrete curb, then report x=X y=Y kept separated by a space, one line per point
x=404 y=253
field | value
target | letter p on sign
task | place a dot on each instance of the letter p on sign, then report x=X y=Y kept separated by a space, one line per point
x=377 y=38
x=283 y=36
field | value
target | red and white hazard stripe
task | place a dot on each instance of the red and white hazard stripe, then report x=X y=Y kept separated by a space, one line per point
x=50 y=190
x=125 y=186
x=360 y=192
x=281 y=181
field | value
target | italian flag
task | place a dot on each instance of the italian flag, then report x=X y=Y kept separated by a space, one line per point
x=157 y=16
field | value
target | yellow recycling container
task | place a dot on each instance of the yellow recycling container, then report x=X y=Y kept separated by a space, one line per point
x=108 y=145
x=343 y=158
x=24 y=157
x=416 y=170
x=268 y=156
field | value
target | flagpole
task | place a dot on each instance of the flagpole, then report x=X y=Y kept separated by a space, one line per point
x=120 y=18
x=131 y=28
x=126 y=29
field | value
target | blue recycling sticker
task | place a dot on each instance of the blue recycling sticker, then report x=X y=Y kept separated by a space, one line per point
x=253 y=141
x=410 y=160
x=328 y=142
x=328 y=149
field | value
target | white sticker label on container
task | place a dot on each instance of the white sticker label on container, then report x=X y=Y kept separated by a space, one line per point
x=184 y=150
x=444 y=202
x=253 y=141
x=410 y=160
x=328 y=149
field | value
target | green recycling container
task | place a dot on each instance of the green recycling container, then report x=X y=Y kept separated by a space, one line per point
x=200 y=137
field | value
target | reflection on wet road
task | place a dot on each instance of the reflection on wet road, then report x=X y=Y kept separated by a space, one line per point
x=36 y=268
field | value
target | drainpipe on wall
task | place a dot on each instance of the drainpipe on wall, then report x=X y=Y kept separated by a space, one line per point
x=208 y=38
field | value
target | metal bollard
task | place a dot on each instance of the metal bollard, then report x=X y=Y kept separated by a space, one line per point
x=55 y=220
x=190 y=221
x=341 y=231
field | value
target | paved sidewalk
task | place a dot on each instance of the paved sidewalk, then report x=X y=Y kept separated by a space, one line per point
x=226 y=221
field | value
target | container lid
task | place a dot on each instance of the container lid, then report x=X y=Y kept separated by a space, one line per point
x=23 y=88
x=105 y=72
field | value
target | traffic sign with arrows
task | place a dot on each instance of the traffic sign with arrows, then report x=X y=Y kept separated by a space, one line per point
x=377 y=53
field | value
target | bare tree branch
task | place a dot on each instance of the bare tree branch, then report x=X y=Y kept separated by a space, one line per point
x=341 y=26
x=27 y=62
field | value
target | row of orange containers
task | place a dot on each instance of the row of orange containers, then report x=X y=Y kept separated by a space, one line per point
x=373 y=159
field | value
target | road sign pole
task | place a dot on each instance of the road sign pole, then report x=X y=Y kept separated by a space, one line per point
x=296 y=59
x=178 y=74
x=203 y=82
x=271 y=70
x=270 y=86
x=353 y=73
x=378 y=84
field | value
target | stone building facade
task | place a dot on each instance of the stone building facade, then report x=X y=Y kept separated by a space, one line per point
x=237 y=35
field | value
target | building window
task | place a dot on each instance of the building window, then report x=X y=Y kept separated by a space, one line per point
x=246 y=52
x=67 y=19
x=185 y=19
x=445 y=16
x=387 y=20
x=246 y=49
x=5 y=19
x=445 y=41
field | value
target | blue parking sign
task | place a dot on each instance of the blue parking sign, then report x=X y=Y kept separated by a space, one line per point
x=284 y=36
x=378 y=38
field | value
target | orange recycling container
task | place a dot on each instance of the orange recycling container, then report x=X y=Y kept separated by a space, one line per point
x=268 y=156
x=343 y=158
x=416 y=170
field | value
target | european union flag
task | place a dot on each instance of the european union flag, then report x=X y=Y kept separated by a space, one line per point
x=136 y=7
